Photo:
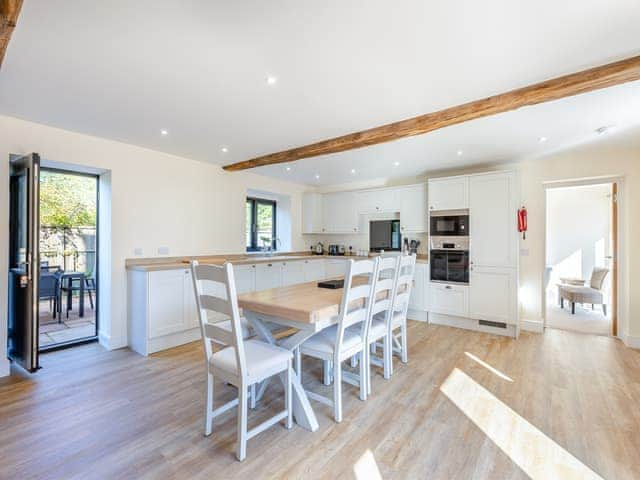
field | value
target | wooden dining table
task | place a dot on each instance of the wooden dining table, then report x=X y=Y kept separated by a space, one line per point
x=304 y=307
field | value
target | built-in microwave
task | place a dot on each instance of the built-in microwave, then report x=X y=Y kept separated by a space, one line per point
x=449 y=224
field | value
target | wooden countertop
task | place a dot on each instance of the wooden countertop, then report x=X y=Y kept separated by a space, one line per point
x=174 y=263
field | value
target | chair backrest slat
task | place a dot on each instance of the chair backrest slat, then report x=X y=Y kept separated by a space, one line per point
x=221 y=299
x=356 y=300
x=404 y=284
x=384 y=288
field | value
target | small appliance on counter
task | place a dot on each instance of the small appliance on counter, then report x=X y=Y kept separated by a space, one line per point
x=336 y=250
x=317 y=249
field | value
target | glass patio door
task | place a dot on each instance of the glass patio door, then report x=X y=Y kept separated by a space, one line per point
x=24 y=261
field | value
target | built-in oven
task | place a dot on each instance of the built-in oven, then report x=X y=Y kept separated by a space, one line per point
x=449 y=259
x=449 y=224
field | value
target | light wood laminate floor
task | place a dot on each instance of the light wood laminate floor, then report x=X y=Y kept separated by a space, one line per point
x=467 y=405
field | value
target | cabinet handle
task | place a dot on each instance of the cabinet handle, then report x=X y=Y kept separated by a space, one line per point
x=270 y=265
x=448 y=287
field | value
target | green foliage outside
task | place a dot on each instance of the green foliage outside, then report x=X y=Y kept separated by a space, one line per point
x=67 y=200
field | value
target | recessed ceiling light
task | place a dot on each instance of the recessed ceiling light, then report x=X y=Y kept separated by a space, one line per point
x=271 y=80
x=317 y=177
x=164 y=132
x=353 y=170
x=542 y=139
x=288 y=169
x=396 y=164
x=224 y=149
x=460 y=152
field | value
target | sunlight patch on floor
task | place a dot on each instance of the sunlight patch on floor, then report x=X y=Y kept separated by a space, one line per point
x=366 y=467
x=535 y=453
x=488 y=367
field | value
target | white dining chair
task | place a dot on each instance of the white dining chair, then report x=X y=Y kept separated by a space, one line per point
x=402 y=294
x=345 y=339
x=380 y=315
x=242 y=363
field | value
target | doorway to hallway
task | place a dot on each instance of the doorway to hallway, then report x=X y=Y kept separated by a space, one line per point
x=581 y=248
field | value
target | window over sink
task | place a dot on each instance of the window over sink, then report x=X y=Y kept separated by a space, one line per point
x=260 y=231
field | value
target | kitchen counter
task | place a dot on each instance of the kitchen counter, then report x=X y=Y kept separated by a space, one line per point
x=171 y=263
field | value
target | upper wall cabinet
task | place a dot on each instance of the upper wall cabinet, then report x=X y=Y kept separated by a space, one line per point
x=449 y=193
x=413 y=208
x=339 y=213
x=493 y=220
x=383 y=200
x=311 y=213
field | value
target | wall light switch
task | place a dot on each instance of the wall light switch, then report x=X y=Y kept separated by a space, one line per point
x=163 y=250
x=137 y=252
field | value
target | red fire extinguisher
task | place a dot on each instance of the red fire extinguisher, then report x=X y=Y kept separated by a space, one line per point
x=522 y=222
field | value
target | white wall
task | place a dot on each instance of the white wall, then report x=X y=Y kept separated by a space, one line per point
x=578 y=229
x=157 y=200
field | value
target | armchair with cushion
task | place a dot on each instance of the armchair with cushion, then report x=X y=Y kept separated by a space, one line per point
x=591 y=293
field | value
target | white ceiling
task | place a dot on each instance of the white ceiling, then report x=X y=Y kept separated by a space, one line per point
x=125 y=70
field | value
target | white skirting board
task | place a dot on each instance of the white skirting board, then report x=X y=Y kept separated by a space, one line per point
x=536 y=326
x=419 y=315
x=111 y=343
x=471 y=324
x=5 y=367
x=632 y=341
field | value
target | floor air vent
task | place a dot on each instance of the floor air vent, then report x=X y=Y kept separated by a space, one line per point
x=487 y=323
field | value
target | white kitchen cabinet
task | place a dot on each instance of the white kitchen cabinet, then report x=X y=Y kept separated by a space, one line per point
x=161 y=310
x=314 y=270
x=381 y=200
x=166 y=302
x=339 y=213
x=312 y=213
x=245 y=278
x=451 y=193
x=419 y=299
x=492 y=295
x=335 y=268
x=413 y=208
x=493 y=220
x=292 y=273
x=449 y=299
x=268 y=275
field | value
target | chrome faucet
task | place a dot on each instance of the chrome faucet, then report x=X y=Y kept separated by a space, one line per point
x=268 y=242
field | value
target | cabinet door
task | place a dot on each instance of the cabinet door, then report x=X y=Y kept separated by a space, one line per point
x=335 y=268
x=245 y=278
x=449 y=299
x=314 y=270
x=311 y=213
x=418 y=291
x=413 y=208
x=493 y=220
x=292 y=273
x=449 y=193
x=190 y=308
x=166 y=302
x=268 y=275
x=384 y=200
x=492 y=294
x=339 y=213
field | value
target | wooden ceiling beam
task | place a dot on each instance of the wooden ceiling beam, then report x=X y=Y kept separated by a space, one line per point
x=9 y=11
x=609 y=75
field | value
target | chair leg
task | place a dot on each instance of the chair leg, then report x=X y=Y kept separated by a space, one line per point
x=367 y=361
x=208 y=408
x=373 y=348
x=387 y=352
x=561 y=302
x=326 y=372
x=337 y=391
x=288 y=393
x=241 y=452
x=604 y=309
x=364 y=374
x=354 y=361
x=252 y=396
x=573 y=308
x=403 y=337
x=298 y=360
